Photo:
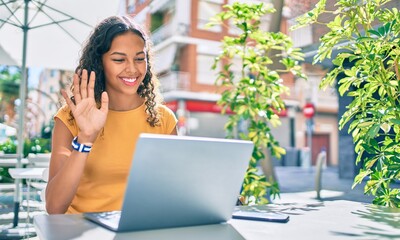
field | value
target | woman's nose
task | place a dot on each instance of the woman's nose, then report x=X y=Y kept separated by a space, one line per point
x=130 y=67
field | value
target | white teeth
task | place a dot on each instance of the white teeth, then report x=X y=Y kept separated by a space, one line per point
x=131 y=80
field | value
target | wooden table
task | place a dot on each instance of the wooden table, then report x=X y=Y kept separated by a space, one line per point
x=322 y=220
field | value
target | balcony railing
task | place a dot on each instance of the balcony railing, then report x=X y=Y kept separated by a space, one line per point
x=172 y=28
x=301 y=37
x=175 y=81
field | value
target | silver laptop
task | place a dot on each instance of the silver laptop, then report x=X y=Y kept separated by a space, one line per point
x=178 y=181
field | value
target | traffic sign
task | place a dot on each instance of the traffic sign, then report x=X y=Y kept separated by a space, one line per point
x=309 y=110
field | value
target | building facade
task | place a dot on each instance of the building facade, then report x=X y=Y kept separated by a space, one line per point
x=308 y=39
x=44 y=99
x=184 y=50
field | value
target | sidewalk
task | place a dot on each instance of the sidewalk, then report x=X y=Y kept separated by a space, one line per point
x=298 y=184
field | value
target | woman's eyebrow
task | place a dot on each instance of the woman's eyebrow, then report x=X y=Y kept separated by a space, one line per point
x=124 y=54
x=118 y=53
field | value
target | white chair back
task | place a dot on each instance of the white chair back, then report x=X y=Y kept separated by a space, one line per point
x=45 y=177
x=41 y=160
x=8 y=155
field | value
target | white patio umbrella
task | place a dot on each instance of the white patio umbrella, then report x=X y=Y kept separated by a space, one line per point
x=46 y=33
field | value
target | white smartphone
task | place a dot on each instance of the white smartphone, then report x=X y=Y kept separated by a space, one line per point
x=261 y=216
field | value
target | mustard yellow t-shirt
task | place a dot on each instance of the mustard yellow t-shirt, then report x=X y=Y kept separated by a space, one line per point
x=103 y=183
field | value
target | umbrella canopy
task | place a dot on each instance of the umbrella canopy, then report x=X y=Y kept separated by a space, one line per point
x=56 y=30
x=5 y=59
x=46 y=33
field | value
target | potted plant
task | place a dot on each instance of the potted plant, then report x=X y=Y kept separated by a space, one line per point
x=254 y=93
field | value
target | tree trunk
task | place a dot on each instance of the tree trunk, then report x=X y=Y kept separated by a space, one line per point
x=268 y=167
x=276 y=18
x=275 y=26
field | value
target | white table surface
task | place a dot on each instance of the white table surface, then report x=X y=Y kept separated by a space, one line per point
x=12 y=162
x=26 y=173
x=325 y=220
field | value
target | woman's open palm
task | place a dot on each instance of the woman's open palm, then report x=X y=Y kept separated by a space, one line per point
x=88 y=117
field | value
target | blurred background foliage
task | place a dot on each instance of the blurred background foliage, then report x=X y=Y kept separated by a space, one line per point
x=34 y=145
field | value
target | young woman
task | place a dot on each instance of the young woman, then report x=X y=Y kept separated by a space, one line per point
x=115 y=98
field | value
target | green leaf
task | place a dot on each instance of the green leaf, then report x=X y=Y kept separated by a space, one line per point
x=364 y=39
x=374 y=32
x=385 y=127
x=395 y=121
x=374 y=144
x=358 y=179
x=365 y=124
x=373 y=131
x=368 y=148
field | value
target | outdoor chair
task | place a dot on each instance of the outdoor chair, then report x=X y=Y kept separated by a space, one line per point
x=40 y=162
x=7 y=161
x=7 y=155
x=31 y=174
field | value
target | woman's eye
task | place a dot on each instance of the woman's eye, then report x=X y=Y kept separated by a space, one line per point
x=118 y=60
x=140 y=59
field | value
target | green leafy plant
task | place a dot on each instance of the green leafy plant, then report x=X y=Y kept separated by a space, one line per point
x=9 y=90
x=8 y=146
x=254 y=94
x=367 y=35
x=35 y=145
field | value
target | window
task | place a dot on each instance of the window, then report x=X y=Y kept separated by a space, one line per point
x=53 y=73
x=247 y=1
x=157 y=19
x=236 y=68
x=265 y=22
x=233 y=29
x=205 y=75
x=131 y=6
x=206 y=10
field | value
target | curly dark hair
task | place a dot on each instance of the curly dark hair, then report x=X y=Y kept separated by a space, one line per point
x=99 y=43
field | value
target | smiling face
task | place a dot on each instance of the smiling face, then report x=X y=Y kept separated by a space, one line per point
x=125 y=66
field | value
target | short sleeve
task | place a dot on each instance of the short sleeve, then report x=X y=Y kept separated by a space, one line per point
x=64 y=115
x=168 y=119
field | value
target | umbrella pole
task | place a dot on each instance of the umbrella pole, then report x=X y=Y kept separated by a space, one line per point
x=21 y=115
x=27 y=230
x=18 y=232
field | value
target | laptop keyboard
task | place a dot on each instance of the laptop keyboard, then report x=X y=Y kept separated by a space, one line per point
x=110 y=216
x=110 y=219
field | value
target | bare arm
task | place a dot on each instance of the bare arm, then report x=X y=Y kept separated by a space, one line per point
x=66 y=164
x=174 y=131
x=66 y=168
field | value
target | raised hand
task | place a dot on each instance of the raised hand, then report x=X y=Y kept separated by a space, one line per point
x=89 y=118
